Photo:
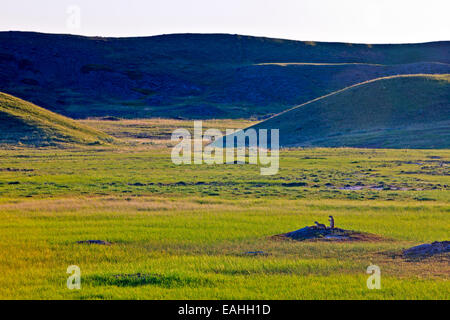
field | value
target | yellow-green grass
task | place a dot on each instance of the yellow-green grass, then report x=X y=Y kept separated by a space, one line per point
x=195 y=248
x=304 y=174
x=157 y=131
x=186 y=228
x=25 y=123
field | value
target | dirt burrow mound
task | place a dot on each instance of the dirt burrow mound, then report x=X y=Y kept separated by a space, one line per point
x=427 y=249
x=328 y=234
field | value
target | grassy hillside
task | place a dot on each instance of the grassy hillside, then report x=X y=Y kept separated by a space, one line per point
x=194 y=75
x=25 y=123
x=411 y=111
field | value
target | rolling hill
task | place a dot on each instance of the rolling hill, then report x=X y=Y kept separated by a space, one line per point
x=408 y=111
x=195 y=75
x=22 y=122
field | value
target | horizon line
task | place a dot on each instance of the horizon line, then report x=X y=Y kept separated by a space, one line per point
x=219 y=33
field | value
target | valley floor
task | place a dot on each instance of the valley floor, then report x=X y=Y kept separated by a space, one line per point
x=184 y=232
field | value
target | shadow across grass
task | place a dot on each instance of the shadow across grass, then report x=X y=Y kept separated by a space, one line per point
x=141 y=279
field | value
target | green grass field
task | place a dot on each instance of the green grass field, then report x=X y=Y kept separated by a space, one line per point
x=186 y=229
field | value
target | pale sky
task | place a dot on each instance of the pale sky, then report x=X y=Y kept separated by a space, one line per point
x=360 y=21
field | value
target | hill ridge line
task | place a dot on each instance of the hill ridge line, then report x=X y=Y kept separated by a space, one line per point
x=284 y=64
x=351 y=87
x=181 y=34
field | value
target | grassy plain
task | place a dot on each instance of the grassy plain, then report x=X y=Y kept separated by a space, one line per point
x=186 y=229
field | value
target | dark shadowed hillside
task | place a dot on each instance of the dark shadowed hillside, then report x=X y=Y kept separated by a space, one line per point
x=411 y=111
x=24 y=123
x=194 y=75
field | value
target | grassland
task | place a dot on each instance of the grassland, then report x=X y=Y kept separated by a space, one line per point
x=186 y=229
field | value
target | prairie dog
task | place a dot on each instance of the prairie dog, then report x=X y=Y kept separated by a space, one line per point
x=331 y=222
x=320 y=225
